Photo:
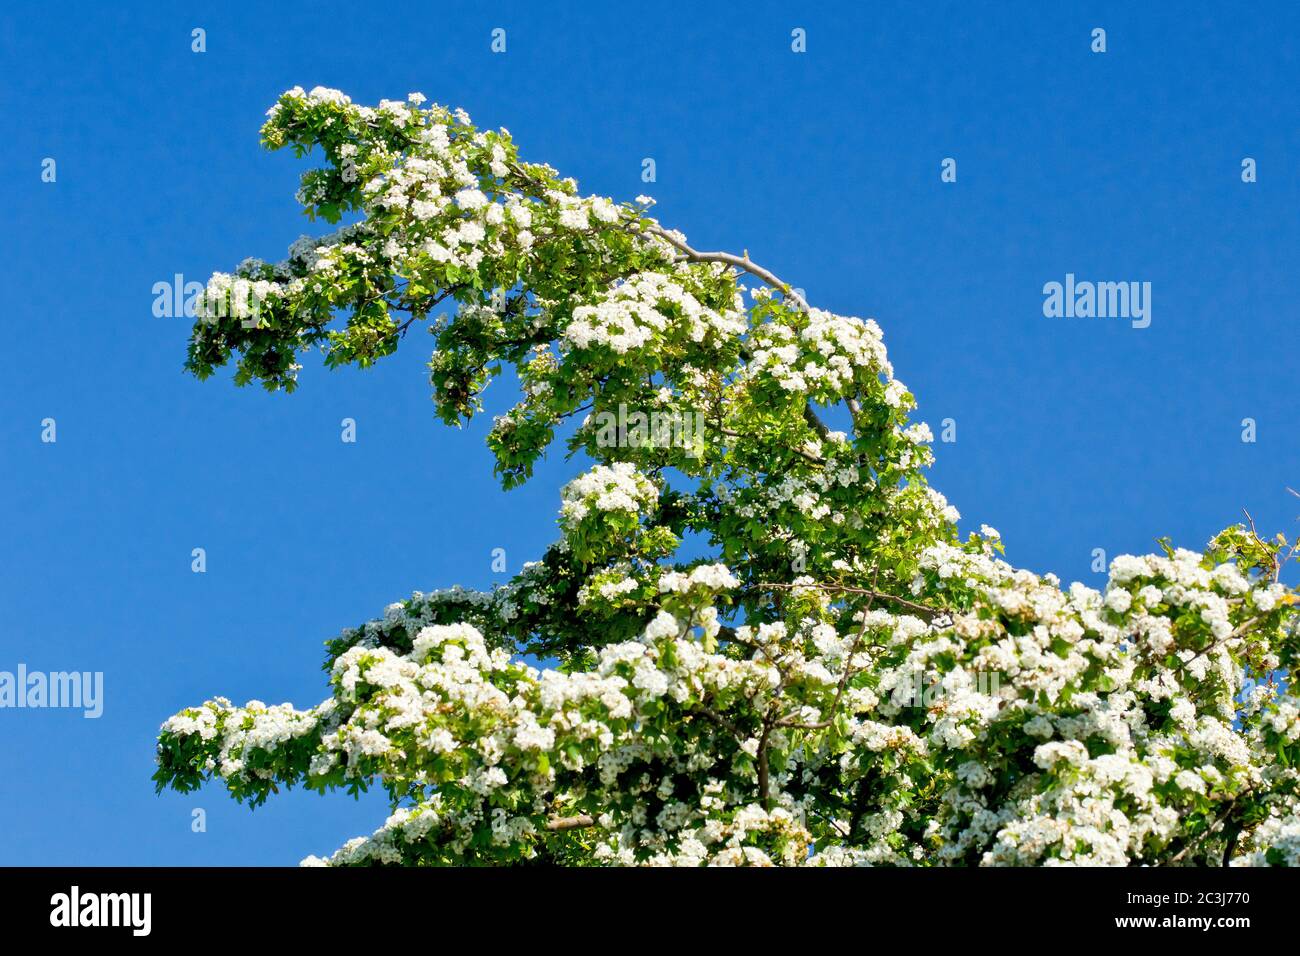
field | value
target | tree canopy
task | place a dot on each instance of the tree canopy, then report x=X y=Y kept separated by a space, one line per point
x=764 y=640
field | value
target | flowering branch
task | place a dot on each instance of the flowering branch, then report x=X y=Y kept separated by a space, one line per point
x=1112 y=734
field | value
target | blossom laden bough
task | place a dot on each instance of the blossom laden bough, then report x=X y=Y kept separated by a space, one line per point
x=757 y=706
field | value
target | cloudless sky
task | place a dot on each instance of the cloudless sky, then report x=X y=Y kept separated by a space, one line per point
x=1072 y=434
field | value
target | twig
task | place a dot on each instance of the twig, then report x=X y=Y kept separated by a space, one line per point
x=743 y=263
x=921 y=609
x=557 y=824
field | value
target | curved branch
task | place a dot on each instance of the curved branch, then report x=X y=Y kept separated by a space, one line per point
x=922 y=610
x=557 y=824
x=743 y=263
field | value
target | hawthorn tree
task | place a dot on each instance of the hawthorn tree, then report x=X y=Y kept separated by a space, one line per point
x=843 y=679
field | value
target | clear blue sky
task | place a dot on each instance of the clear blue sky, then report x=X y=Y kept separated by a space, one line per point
x=1073 y=434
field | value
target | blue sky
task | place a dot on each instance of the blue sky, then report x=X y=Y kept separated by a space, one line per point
x=1072 y=434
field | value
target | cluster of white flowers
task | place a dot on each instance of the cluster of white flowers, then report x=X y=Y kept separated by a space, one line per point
x=234 y=296
x=509 y=728
x=237 y=733
x=1112 y=778
x=713 y=577
x=752 y=836
x=641 y=310
x=605 y=488
x=1275 y=843
x=820 y=352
